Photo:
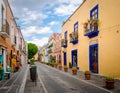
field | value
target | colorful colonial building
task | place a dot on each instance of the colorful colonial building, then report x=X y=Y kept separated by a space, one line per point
x=91 y=37
x=11 y=41
x=54 y=47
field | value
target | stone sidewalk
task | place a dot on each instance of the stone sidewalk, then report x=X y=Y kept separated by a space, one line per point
x=33 y=87
x=16 y=83
x=95 y=79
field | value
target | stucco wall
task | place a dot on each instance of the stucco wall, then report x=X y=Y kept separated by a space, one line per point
x=108 y=37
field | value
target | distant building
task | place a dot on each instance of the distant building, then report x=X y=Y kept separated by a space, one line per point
x=46 y=53
x=54 y=46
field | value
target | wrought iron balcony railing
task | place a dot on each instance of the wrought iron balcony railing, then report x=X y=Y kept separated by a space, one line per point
x=64 y=43
x=74 y=37
x=91 y=28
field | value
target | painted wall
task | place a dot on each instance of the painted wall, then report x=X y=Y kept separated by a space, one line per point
x=46 y=53
x=108 y=38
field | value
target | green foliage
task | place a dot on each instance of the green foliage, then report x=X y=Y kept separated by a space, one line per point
x=49 y=51
x=65 y=66
x=87 y=72
x=51 y=45
x=70 y=65
x=32 y=50
x=52 y=59
x=32 y=62
x=55 y=64
x=109 y=78
x=74 y=68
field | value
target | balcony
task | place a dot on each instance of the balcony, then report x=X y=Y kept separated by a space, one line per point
x=64 y=43
x=49 y=51
x=14 y=41
x=5 y=30
x=51 y=45
x=74 y=37
x=91 y=28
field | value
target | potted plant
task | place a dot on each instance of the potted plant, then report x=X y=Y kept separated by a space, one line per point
x=109 y=82
x=70 y=65
x=94 y=22
x=66 y=68
x=55 y=64
x=32 y=62
x=87 y=74
x=60 y=66
x=74 y=70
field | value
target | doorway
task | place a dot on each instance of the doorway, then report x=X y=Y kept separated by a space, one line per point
x=74 y=58
x=65 y=59
x=93 y=58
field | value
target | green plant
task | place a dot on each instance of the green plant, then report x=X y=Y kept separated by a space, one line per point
x=65 y=66
x=87 y=75
x=110 y=82
x=32 y=62
x=55 y=63
x=59 y=64
x=87 y=72
x=74 y=68
x=109 y=78
x=32 y=50
x=93 y=21
x=70 y=65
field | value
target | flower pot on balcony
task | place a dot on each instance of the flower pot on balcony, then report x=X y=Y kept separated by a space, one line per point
x=95 y=26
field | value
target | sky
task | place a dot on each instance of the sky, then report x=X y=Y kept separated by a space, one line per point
x=39 y=19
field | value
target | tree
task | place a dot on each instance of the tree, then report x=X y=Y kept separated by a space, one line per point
x=32 y=50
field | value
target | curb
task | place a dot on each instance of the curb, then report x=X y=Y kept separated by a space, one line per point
x=22 y=87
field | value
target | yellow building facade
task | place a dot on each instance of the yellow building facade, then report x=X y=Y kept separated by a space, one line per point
x=91 y=37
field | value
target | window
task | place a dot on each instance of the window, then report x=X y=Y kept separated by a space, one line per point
x=94 y=12
x=65 y=35
x=76 y=27
x=2 y=17
x=15 y=40
x=94 y=16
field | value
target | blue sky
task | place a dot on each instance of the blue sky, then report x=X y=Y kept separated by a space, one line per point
x=38 y=19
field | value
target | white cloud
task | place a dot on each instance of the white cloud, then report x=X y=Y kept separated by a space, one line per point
x=64 y=10
x=39 y=42
x=30 y=17
x=67 y=7
x=34 y=30
x=34 y=16
x=53 y=23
